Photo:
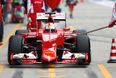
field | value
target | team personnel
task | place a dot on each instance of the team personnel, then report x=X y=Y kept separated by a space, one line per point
x=25 y=5
x=1 y=22
x=71 y=4
x=35 y=6
x=58 y=8
x=113 y=20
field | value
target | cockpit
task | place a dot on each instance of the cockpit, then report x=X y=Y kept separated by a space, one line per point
x=50 y=27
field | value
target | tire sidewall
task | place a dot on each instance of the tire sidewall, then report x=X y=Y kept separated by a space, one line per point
x=15 y=47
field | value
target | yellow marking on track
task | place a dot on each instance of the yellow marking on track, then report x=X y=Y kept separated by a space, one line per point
x=56 y=71
x=5 y=40
x=50 y=77
x=1 y=68
x=104 y=71
x=51 y=71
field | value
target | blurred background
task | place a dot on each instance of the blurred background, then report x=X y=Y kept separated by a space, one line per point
x=87 y=14
x=9 y=8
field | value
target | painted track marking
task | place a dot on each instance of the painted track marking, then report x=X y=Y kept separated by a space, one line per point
x=51 y=71
x=104 y=71
x=1 y=68
x=5 y=40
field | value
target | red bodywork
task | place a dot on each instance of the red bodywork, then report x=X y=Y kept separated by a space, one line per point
x=50 y=45
x=50 y=42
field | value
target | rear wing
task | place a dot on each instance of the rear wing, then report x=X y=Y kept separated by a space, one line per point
x=55 y=16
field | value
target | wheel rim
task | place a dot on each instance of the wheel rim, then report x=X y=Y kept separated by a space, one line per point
x=11 y=56
x=86 y=56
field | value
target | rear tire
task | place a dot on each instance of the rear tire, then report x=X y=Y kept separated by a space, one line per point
x=19 y=32
x=15 y=47
x=83 y=46
x=80 y=31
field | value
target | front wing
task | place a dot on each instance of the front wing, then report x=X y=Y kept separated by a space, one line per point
x=67 y=58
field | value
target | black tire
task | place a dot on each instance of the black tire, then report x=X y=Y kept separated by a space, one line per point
x=19 y=32
x=59 y=54
x=80 y=31
x=15 y=47
x=83 y=46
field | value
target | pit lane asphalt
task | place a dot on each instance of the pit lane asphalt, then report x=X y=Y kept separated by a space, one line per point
x=86 y=16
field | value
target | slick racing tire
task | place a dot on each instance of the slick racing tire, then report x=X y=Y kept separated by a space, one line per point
x=80 y=31
x=59 y=54
x=83 y=46
x=19 y=32
x=15 y=47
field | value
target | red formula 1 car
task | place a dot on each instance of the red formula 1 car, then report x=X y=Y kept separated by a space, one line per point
x=49 y=45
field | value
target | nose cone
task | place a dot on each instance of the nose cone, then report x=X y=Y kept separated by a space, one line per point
x=49 y=56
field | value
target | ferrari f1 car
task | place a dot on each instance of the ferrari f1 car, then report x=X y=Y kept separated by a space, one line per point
x=49 y=45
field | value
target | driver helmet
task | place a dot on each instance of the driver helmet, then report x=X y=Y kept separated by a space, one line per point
x=50 y=25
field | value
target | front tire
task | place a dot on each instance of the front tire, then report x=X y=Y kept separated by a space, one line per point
x=19 y=32
x=15 y=47
x=80 y=31
x=83 y=46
